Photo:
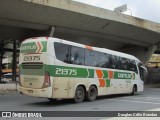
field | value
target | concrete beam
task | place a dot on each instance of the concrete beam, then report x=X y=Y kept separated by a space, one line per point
x=70 y=5
x=68 y=15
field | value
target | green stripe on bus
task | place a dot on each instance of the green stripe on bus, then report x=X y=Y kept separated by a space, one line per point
x=50 y=69
x=28 y=47
x=32 y=47
x=44 y=44
x=91 y=73
x=63 y=71
x=105 y=74
x=108 y=82
x=122 y=75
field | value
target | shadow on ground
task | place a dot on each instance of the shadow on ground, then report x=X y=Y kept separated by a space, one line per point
x=63 y=102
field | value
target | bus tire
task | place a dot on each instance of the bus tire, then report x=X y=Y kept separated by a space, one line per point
x=91 y=95
x=79 y=94
x=133 y=90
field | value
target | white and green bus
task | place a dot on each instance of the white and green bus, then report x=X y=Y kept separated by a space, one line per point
x=58 y=69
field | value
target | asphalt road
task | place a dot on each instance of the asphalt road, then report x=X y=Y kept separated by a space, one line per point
x=146 y=101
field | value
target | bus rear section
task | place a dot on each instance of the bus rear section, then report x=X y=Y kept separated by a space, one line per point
x=34 y=78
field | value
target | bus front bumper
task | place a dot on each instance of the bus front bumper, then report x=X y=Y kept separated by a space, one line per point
x=45 y=92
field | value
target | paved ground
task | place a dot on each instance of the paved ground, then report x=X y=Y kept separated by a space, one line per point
x=148 y=100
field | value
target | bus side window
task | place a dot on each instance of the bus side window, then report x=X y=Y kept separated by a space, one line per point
x=90 y=58
x=77 y=55
x=117 y=62
x=104 y=60
x=132 y=66
x=62 y=51
x=142 y=72
x=113 y=61
x=135 y=67
x=97 y=59
x=124 y=64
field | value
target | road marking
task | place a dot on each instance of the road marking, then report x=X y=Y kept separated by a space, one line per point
x=135 y=101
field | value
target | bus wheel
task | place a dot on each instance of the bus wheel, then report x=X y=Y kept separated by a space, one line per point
x=79 y=94
x=133 y=90
x=91 y=94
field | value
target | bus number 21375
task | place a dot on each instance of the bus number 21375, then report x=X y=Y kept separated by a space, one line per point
x=60 y=71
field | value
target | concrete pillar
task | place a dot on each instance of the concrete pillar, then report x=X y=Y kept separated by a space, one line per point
x=150 y=52
x=145 y=54
x=142 y=53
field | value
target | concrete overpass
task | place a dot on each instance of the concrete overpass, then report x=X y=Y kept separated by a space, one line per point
x=66 y=19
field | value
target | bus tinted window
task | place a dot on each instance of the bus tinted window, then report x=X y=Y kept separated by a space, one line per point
x=128 y=64
x=81 y=56
x=112 y=61
x=118 y=62
x=77 y=55
x=61 y=51
x=121 y=63
x=90 y=58
x=104 y=60
x=124 y=64
x=97 y=59
x=142 y=72
x=133 y=66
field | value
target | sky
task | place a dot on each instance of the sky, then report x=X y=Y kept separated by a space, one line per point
x=146 y=9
